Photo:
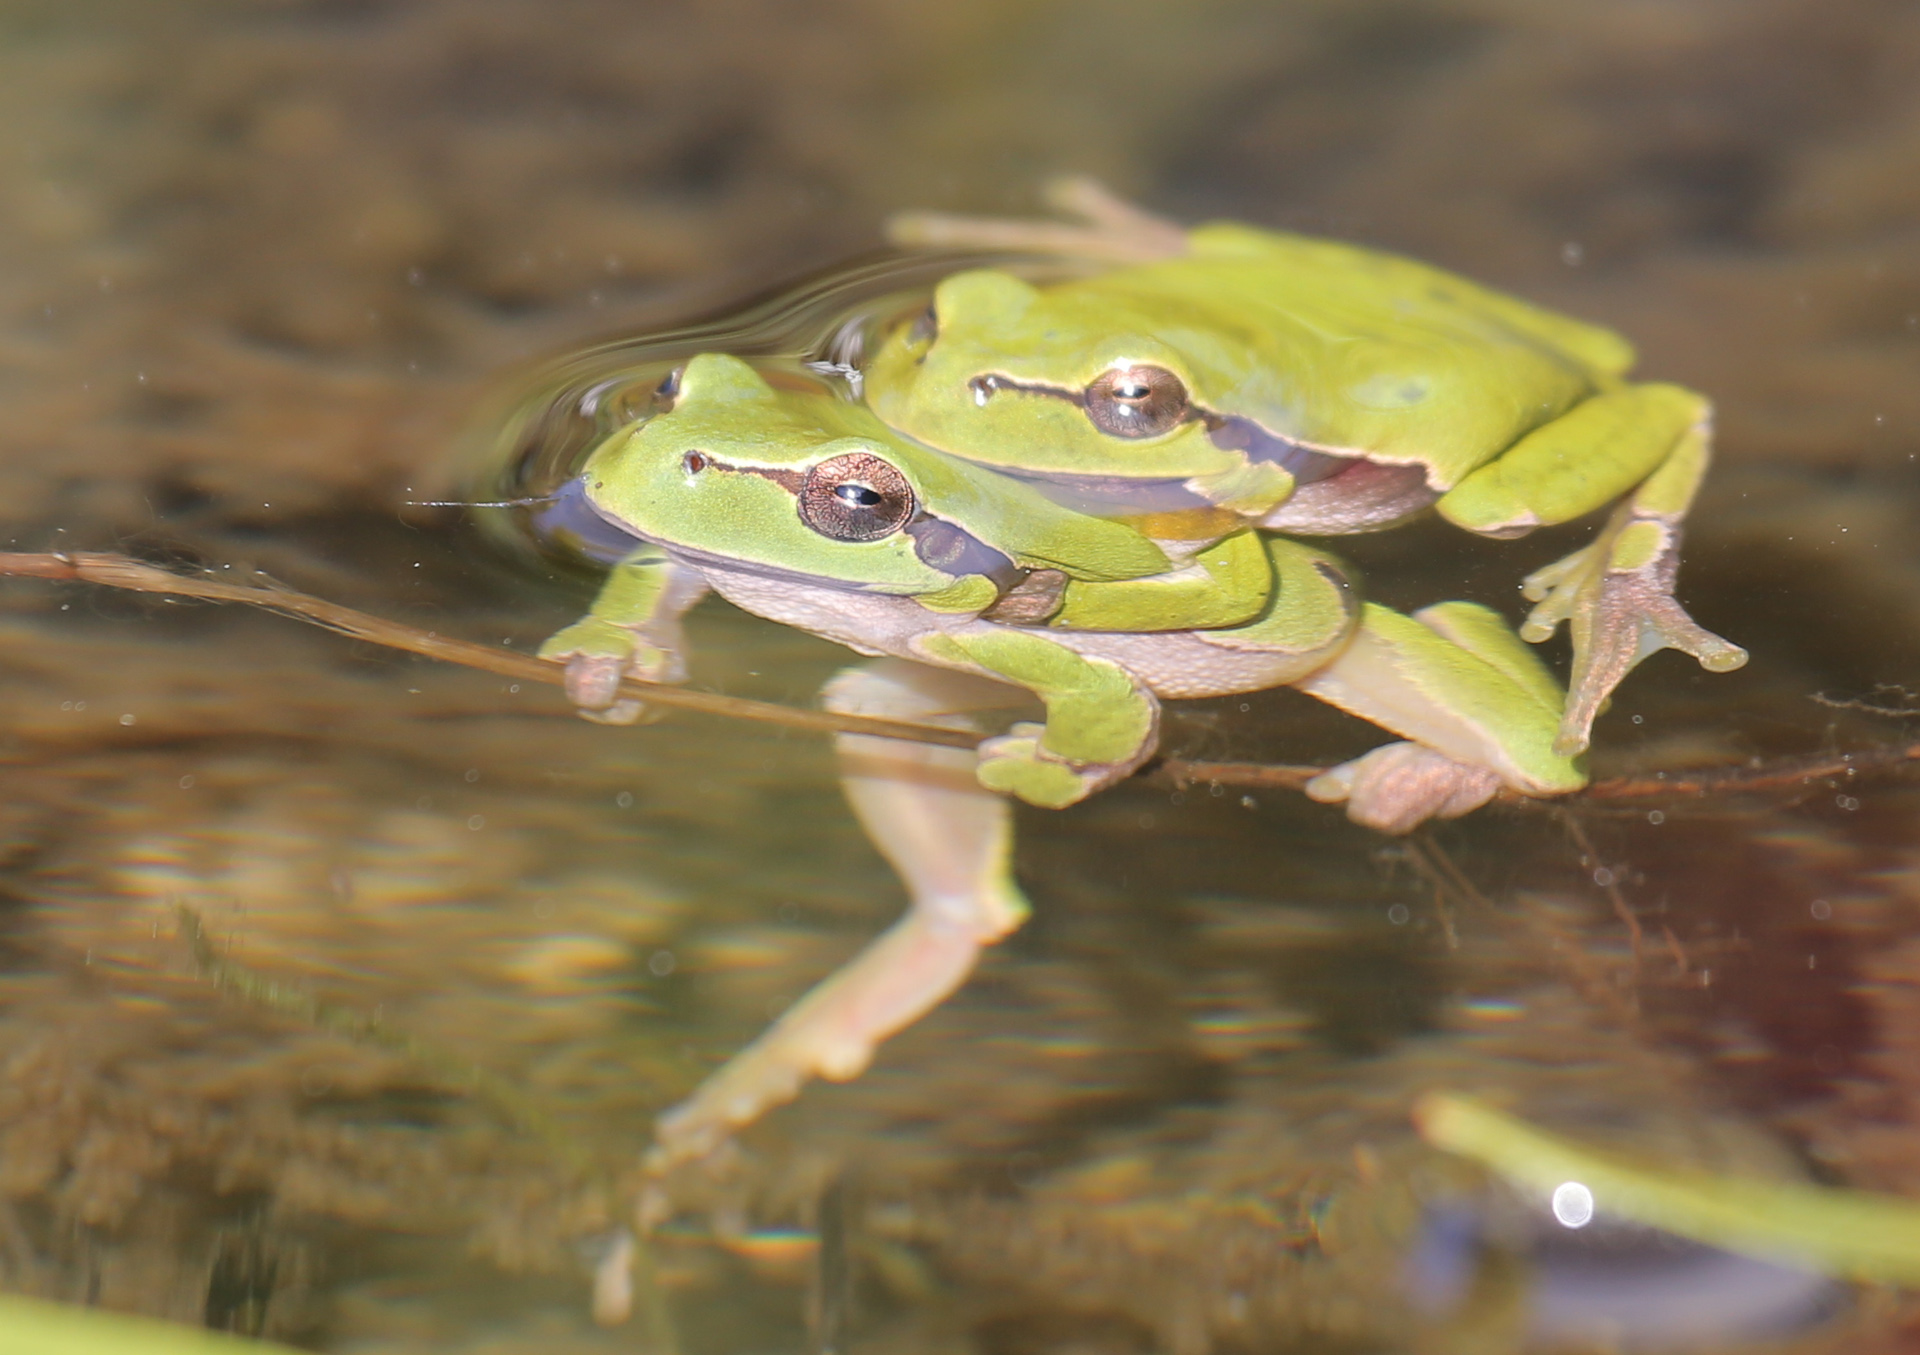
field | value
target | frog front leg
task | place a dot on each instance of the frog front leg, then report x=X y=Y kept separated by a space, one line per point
x=632 y=630
x=1616 y=594
x=1101 y=723
x=950 y=840
x=1479 y=707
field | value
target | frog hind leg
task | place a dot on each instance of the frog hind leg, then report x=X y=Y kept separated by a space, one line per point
x=950 y=840
x=1101 y=722
x=1650 y=442
x=1479 y=708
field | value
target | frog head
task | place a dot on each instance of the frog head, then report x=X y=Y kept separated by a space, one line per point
x=800 y=483
x=1136 y=398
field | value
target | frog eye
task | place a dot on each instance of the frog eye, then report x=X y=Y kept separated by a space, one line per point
x=1136 y=402
x=855 y=497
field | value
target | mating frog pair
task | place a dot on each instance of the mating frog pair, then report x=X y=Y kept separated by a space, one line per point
x=1085 y=516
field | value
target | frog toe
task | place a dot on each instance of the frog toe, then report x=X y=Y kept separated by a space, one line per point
x=1016 y=764
x=593 y=683
x=1632 y=616
x=1399 y=786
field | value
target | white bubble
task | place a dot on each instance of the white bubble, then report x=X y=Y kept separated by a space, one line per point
x=1398 y=914
x=1573 y=1204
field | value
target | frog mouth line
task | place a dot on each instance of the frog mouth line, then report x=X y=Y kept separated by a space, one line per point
x=1230 y=433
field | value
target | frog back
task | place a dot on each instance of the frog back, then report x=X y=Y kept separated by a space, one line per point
x=1356 y=352
x=1275 y=340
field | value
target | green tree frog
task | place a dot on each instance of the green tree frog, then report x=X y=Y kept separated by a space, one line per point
x=976 y=593
x=1228 y=375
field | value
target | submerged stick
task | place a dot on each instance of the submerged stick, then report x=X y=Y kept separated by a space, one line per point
x=119 y=571
x=1849 y=1233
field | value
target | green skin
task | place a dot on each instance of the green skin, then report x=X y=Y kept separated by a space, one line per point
x=992 y=595
x=1388 y=385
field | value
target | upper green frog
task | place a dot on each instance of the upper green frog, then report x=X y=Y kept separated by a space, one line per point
x=1227 y=376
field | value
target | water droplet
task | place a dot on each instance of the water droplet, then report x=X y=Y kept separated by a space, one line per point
x=1573 y=1204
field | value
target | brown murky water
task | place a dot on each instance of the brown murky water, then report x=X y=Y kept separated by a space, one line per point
x=261 y=262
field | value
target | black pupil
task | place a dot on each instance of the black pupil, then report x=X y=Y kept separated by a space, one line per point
x=856 y=495
x=1131 y=390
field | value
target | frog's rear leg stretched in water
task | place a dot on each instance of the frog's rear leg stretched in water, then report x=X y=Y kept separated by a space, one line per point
x=950 y=840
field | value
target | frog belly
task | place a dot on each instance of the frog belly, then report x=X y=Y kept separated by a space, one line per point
x=867 y=623
x=1180 y=664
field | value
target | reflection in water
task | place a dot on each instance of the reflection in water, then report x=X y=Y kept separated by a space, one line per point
x=1608 y=1285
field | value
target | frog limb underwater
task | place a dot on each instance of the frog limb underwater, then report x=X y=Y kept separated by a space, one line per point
x=1310 y=386
x=803 y=509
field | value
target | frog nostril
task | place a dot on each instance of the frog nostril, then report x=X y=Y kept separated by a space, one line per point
x=693 y=462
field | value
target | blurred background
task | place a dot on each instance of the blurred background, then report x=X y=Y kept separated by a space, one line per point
x=261 y=261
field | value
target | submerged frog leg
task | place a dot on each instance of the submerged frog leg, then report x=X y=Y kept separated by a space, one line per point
x=1115 y=229
x=632 y=630
x=1480 y=708
x=1616 y=594
x=1101 y=723
x=949 y=838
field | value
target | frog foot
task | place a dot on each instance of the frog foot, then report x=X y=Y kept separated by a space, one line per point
x=1616 y=596
x=1104 y=226
x=1017 y=764
x=1399 y=786
x=599 y=655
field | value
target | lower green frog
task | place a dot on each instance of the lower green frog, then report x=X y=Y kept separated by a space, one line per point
x=1210 y=379
x=975 y=593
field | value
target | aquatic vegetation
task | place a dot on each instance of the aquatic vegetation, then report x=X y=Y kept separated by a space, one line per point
x=1852 y=1234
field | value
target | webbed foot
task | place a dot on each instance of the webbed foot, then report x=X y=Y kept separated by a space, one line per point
x=1616 y=596
x=1399 y=786
x=1113 y=228
x=600 y=654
